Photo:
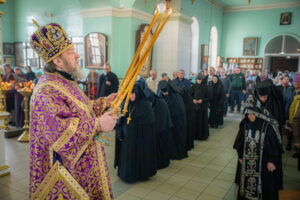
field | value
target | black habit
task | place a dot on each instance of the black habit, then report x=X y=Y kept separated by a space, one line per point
x=189 y=112
x=178 y=115
x=216 y=102
x=200 y=92
x=258 y=143
x=163 y=129
x=135 y=154
x=275 y=101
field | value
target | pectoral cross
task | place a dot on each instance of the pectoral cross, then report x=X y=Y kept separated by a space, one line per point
x=128 y=120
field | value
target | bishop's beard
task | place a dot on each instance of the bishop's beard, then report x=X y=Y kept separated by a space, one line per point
x=77 y=73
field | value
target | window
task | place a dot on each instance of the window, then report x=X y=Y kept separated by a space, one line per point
x=95 y=50
x=78 y=45
x=25 y=56
x=213 y=47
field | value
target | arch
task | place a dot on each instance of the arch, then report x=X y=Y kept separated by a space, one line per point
x=213 y=47
x=283 y=44
x=195 y=45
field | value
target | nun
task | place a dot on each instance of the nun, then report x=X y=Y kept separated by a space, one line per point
x=178 y=116
x=135 y=155
x=163 y=128
x=199 y=93
x=216 y=102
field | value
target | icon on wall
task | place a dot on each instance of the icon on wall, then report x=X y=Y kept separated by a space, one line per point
x=285 y=18
x=250 y=47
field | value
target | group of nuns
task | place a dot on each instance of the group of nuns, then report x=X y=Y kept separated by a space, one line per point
x=161 y=127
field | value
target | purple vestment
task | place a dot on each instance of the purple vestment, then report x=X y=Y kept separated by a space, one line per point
x=65 y=160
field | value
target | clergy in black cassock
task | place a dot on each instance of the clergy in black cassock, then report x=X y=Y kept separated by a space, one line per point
x=216 y=102
x=258 y=144
x=163 y=128
x=178 y=115
x=108 y=83
x=199 y=93
x=135 y=154
x=271 y=98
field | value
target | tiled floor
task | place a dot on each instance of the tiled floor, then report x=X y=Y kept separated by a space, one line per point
x=207 y=173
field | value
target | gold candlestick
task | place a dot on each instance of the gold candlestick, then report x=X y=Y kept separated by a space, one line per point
x=26 y=92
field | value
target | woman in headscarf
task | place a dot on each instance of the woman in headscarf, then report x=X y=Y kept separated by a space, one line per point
x=216 y=101
x=135 y=154
x=199 y=93
x=178 y=115
x=259 y=148
x=163 y=129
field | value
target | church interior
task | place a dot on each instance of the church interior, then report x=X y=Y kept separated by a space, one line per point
x=252 y=35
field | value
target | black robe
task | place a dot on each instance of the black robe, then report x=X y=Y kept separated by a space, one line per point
x=201 y=130
x=163 y=129
x=189 y=112
x=275 y=101
x=272 y=152
x=178 y=115
x=103 y=89
x=135 y=154
x=216 y=101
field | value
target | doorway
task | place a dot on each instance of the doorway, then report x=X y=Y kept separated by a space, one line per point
x=284 y=63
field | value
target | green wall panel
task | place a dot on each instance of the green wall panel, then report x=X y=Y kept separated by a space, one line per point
x=263 y=24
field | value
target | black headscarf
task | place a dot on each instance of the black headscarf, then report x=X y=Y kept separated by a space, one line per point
x=264 y=88
x=199 y=91
x=140 y=109
x=275 y=101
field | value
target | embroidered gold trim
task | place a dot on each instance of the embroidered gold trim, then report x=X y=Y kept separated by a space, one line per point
x=104 y=172
x=68 y=94
x=59 y=173
x=64 y=138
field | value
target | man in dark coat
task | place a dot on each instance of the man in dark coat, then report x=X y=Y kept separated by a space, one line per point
x=108 y=83
x=259 y=148
x=178 y=115
x=135 y=154
x=182 y=82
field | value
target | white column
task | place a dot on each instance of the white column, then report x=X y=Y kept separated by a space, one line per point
x=172 y=49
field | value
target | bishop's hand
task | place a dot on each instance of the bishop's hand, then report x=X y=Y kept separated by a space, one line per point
x=108 y=121
x=111 y=98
